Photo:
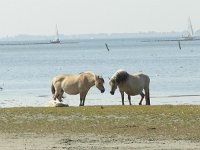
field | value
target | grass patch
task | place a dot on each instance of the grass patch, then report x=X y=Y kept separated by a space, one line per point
x=166 y=121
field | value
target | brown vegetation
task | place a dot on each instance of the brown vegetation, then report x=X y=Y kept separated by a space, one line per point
x=156 y=122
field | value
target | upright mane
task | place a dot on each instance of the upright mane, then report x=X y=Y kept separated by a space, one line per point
x=120 y=76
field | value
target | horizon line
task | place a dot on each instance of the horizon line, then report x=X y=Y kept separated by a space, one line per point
x=103 y=33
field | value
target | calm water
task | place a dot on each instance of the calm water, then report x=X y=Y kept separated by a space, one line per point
x=26 y=70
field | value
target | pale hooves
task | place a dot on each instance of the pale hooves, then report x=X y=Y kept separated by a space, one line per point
x=57 y=104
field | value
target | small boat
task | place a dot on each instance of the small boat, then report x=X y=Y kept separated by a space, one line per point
x=56 y=39
x=189 y=34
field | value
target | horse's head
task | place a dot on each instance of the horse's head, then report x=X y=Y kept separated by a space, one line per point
x=118 y=77
x=99 y=81
x=113 y=85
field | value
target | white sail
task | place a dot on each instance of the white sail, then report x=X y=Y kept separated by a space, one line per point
x=56 y=39
x=190 y=32
x=190 y=29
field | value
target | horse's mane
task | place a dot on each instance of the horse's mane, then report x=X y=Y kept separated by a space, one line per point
x=120 y=76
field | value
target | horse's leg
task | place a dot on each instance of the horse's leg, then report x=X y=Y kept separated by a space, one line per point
x=129 y=98
x=55 y=90
x=83 y=101
x=82 y=98
x=142 y=97
x=80 y=101
x=122 y=95
x=147 y=97
x=58 y=90
x=60 y=96
x=56 y=95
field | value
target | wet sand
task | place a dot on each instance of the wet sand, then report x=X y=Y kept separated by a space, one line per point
x=89 y=141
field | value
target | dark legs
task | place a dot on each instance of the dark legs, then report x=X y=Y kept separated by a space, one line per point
x=59 y=95
x=122 y=95
x=147 y=97
x=140 y=103
x=142 y=97
x=82 y=101
x=82 y=98
x=129 y=99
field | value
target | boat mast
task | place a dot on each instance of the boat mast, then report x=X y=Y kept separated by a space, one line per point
x=57 y=33
x=190 y=28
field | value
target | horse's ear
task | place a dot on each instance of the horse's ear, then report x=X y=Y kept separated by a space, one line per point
x=98 y=77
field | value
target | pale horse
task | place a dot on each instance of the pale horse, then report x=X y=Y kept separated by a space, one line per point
x=131 y=84
x=74 y=84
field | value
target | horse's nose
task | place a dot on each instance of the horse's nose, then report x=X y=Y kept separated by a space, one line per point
x=111 y=92
x=102 y=91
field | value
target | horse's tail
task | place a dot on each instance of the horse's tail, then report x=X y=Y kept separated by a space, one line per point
x=147 y=97
x=53 y=89
x=147 y=94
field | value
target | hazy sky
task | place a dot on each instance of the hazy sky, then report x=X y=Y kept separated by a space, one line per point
x=39 y=17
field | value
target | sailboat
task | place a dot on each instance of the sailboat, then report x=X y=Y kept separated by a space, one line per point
x=56 y=39
x=189 y=34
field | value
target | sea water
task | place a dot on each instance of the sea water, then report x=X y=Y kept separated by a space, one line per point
x=26 y=70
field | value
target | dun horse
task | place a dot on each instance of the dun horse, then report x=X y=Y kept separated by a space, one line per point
x=75 y=84
x=130 y=84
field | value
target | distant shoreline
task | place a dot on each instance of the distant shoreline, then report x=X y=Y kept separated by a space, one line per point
x=93 y=36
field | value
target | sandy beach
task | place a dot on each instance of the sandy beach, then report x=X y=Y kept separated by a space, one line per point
x=89 y=141
x=100 y=127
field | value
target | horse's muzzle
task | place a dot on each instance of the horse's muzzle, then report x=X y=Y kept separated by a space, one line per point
x=102 y=91
x=111 y=92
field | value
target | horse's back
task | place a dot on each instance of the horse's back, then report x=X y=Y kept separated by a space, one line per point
x=59 y=78
x=66 y=79
x=141 y=79
x=141 y=76
x=67 y=82
x=73 y=83
x=72 y=78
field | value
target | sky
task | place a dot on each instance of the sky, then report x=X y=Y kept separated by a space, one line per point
x=39 y=17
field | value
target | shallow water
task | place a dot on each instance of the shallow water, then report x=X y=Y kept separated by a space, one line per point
x=26 y=70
